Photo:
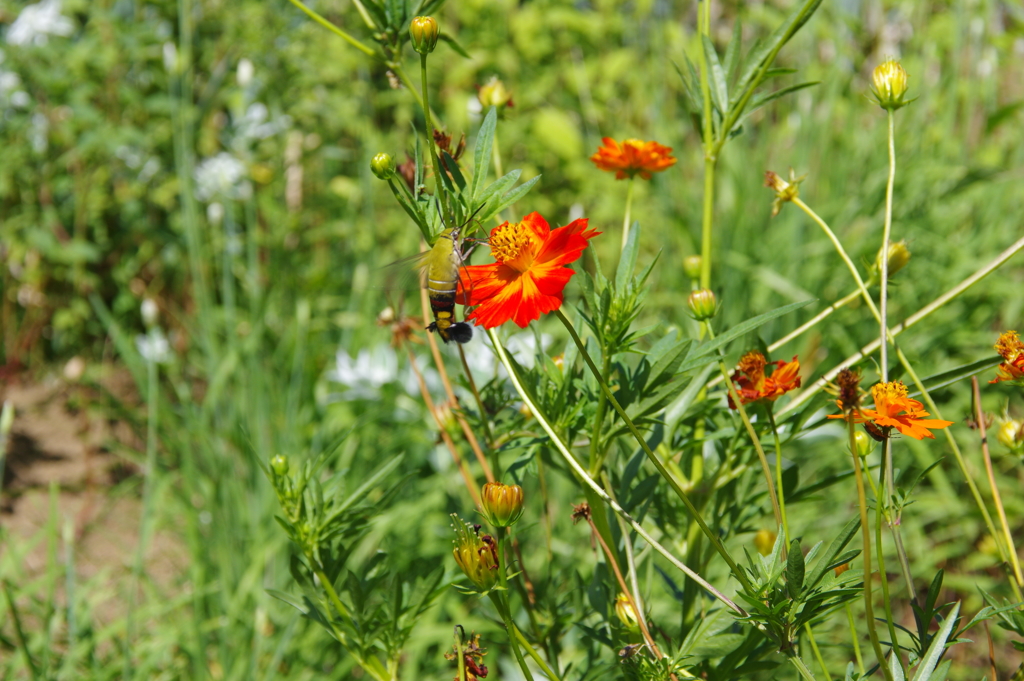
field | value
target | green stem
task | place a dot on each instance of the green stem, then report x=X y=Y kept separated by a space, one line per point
x=765 y=468
x=533 y=653
x=629 y=208
x=737 y=572
x=372 y=665
x=710 y=153
x=368 y=51
x=431 y=145
x=853 y=639
x=862 y=502
x=884 y=509
x=504 y=608
x=778 y=471
x=817 y=653
x=801 y=668
x=563 y=450
x=884 y=264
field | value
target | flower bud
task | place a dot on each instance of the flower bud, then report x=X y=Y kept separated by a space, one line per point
x=703 y=305
x=865 y=443
x=890 y=85
x=502 y=504
x=494 y=93
x=626 y=612
x=424 y=32
x=279 y=464
x=764 y=541
x=899 y=256
x=1011 y=435
x=383 y=166
x=476 y=554
x=691 y=266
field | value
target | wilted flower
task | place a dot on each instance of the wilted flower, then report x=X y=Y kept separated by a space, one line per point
x=502 y=504
x=1011 y=434
x=476 y=554
x=784 y=191
x=1011 y=350
x=893 y=409
x=633 y=157
x=38 y=22
x=752 y=384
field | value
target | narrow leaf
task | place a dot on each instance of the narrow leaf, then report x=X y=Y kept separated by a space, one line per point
x=935 y=650
x=482 y=153
x=627 y=261
x=719 y=88
x=795 y=569
x=960 y=373
x=454 y=45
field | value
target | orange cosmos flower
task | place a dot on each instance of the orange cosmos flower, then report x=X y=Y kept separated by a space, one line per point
x=893 y=409
x=633 y=157
x=752 y=384
x=529 y=275
x=1011 y=349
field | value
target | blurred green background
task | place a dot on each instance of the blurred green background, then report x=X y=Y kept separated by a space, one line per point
x=276 y=122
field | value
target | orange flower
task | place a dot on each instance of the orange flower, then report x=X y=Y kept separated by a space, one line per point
x=752 y=384
x=633 y=157
x=529 y=275
x=1011 y=349
x=890 y=400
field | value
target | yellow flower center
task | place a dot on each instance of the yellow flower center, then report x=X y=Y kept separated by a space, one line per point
x=887 y=394
x=1009 y=346
x=510 y=245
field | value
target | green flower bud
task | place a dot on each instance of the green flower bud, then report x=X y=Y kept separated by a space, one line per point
x=691 y=266
x=864 y=443
x=383 y=166
x=890 y=85
x=279 y=464
x=424 y=32
x=626 y=612
x=703 y=305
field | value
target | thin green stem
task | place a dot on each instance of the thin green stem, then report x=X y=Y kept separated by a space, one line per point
x=817 y=653
x=710 y=152
x=504 y=608
x=980 y=419
x=563 y=450
x=801 y=668
x=883 y=509
x=533 y=653
x=884 y=264
x=629 y=208
x=20 y=632
x=368 y=51
x=431 y=145
x=737 y=572
x=734 y=396
x=778 y=471
x=853 y=639
x=862 y=504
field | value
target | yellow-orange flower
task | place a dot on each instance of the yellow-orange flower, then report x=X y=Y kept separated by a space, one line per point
x=1011 y=349
x=893 y=409
x=633 y=157
x=752 y=384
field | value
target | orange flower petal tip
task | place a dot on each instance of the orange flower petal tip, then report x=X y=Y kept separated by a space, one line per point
x=633 y=157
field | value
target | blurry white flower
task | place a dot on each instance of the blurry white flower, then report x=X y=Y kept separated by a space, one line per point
x=37 y=22
x=222 y=175
x=150 y=312
x=215 y=213
x=245 y=72
x=153 y=346
x=254 y=124
x=474 y=108
x=170 y=57
x=366 y=374
x=10 y=90
x=38 y=134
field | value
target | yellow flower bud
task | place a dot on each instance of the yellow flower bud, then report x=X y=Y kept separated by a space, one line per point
x=890 y=85
x=691 y=266
x=383 y=166
x=494 y=93
x=476 y=554
x=424 y=32
x=502 y=504
x=703 y=304
x=899 y=256
x=764 y=541
x=1011 y=435
x=840 y=569
x=626 y=612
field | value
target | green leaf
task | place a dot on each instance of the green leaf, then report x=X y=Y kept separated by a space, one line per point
x=732 y=51
x=931 y=657
x=514 y=195
x=496 y=188
x=958 y=374
x=737 y=331
x=448 y=163
x=795 y=569
x=833 y=550
x=764 y=53
x=482 y=153
x=762 y=99
x=627 y=261
x=896 y=668
x=719 y=88
x=454 y=45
